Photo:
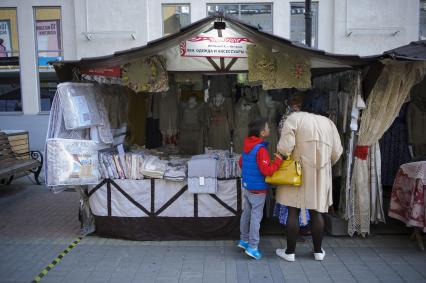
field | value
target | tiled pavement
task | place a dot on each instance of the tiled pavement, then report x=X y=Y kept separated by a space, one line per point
x=36 y=225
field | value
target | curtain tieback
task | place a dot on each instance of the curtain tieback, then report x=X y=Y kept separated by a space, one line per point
x=361 y=152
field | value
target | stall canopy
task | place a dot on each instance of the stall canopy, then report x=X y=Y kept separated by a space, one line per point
x=180 y=57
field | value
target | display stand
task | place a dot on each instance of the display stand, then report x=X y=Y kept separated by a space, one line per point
x=157 y=209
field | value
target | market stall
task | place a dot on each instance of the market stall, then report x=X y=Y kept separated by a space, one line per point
x=131 y=124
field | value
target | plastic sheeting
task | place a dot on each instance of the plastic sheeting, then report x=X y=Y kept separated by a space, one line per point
x=72 y=162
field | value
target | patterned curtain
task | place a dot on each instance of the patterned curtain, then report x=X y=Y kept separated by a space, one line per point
x=383 y=105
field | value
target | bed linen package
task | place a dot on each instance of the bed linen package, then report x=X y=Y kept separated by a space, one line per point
x=72 y=162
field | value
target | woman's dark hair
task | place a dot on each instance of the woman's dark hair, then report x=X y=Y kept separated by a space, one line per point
x=256 y=126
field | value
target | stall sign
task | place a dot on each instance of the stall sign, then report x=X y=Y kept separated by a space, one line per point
x=208 y=46
x=105 y=72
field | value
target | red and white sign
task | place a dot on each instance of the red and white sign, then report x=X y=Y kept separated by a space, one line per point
x=208 y=46
x=106 y=72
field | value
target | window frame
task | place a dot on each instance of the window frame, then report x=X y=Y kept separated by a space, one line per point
x=37 y=51
x=239 y=4
x=12 y=51
x=173 y=4
x=317 y=21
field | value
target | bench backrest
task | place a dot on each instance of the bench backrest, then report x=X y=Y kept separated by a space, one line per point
x=6 y=152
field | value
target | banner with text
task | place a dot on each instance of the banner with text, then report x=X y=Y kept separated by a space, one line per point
x=207 y=46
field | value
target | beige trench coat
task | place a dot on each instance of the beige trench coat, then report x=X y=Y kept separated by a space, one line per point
x=314 y=141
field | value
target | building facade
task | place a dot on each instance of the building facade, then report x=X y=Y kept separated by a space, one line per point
x=33 y=32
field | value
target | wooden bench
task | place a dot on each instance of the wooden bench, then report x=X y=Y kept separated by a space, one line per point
x=13 y=164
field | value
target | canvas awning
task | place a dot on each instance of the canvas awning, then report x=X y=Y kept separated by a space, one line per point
x=169 y=47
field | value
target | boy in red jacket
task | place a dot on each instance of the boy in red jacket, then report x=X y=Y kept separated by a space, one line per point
x=255 y=164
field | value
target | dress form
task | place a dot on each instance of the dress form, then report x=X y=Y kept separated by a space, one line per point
x=191 y=127
x=220 y=121
x=271 y=111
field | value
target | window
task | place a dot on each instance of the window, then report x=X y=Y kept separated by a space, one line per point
x=49 y=48
x=258 y=15
x=175 y=17
x=422 y=27
x=10 y=78
x=297 y=22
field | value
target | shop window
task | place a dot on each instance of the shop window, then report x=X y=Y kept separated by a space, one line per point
x=48 y=31
x=297 y=22
x=422 y=21
x=10 y=83
x=175 y=17
x=258 y=15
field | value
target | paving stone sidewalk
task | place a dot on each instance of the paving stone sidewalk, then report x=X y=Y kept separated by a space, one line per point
x=36 y=225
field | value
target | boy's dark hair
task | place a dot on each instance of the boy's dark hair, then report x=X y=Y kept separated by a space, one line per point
x=256 y=126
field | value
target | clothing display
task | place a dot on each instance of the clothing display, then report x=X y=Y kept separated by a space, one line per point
x=168 y=116
x=191 y=128
x=394 y=147
x=72 y=162
x=277 y=70
x=271 y=111
x=416 y=121
x=148 y=74
x=244 y=112
x=137 y=119
x=153 y=133
x=79 y=105
x=227 y=165
x=202 y=174
x=220 y=122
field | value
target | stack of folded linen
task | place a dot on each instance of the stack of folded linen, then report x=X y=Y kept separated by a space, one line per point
x=202 y=174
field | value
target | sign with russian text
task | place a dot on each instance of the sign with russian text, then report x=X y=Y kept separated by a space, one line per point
x=208 y=46
x=106 y=72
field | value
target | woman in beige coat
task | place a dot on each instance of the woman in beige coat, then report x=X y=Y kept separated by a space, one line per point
x=314 y=141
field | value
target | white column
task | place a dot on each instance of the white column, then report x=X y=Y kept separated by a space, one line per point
x=28 y=61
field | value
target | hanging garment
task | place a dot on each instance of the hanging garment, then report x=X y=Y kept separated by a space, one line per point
x=191 y=129
x=416 y=121
x=168 y=115
x=244 y=113
x=148 y=74
x=153 y=133
x=394 y=147
x=271 y=111
x=220 y=123
x=277 y=70
x=137 y=119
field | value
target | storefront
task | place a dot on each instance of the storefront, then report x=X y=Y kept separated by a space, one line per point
x=183 y=99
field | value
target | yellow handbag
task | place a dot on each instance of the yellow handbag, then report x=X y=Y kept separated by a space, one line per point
x=289 y=173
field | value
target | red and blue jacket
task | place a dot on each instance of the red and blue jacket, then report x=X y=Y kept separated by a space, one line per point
x=256 y=164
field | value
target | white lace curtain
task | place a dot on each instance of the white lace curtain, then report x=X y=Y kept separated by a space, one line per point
x=383 y=105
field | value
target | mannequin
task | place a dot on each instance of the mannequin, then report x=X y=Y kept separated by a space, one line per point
x=191 y=125
x=220 y=121
x=245 y=111
x=270 y=110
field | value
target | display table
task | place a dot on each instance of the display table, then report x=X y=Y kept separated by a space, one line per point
x=156 y=209
x=409 y=198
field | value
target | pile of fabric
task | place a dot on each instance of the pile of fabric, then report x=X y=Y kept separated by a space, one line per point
x=227 y=165
x=202 y=174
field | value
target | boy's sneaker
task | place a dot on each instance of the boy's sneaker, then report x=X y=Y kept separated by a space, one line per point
x=319 y=256
x=254 y=253
x=242 y=245
x=281 y=253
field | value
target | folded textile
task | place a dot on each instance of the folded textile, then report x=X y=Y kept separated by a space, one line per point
x=79 y=105
x=202 y=166
x=153 y=167
x=72 y=162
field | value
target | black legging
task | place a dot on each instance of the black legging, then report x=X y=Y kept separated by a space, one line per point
x=317 y=229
